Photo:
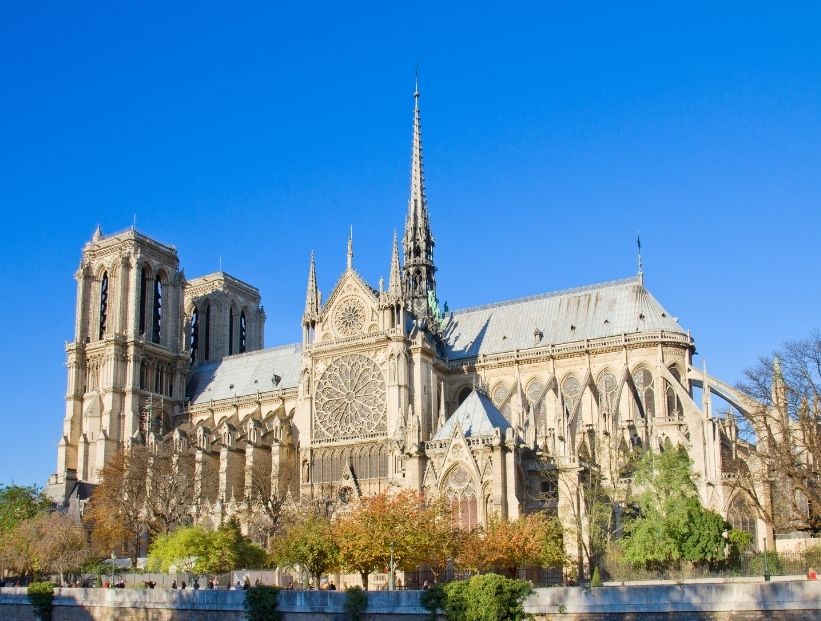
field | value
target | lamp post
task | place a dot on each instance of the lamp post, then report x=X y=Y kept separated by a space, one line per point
x=113 y=559
x=766 y=568
x=391 y=577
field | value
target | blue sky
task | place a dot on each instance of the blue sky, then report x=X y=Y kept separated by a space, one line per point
x=552 y=133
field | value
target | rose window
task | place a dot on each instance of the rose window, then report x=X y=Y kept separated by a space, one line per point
x=349 y=317
x=350 y=400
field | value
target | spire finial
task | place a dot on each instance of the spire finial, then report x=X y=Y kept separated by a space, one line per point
x=395 y=279
x=641 y=265
x=350 y=249
x=312 y=296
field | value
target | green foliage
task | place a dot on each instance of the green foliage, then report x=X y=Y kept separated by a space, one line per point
x=596 y=581
x=193 y=549
x=309 y=543
x=672 y=525
x=356 y=601
x=18 y=503
x=41 y=594
x=261 y=603
x=434 y=599
x=486 y=597
x=455 y=600
x=773 y=564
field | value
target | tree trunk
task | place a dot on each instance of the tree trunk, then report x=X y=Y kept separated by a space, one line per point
x=364 y=575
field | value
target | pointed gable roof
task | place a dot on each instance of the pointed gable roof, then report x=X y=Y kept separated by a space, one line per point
x=477 y=416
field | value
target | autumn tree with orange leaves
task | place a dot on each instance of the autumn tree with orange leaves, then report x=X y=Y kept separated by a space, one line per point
x=533 y=540
x=420 y=534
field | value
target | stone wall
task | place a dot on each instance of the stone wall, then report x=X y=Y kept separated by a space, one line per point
x=745 y=601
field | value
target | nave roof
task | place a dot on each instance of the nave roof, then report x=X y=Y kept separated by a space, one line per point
x=595 y=311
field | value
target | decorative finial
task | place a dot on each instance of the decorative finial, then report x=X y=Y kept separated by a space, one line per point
x=98 y=234
x=350 y=249
x=416 y=88
x=641 y=265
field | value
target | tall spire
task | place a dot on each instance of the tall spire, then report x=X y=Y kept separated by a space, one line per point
x=641 y=264
x=312 y=297
x=395 y=282
x=418 y=241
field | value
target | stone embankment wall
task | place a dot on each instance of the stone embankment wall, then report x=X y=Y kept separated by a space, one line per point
x=668 y=602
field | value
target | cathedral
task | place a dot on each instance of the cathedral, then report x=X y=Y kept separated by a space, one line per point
x=501 y=409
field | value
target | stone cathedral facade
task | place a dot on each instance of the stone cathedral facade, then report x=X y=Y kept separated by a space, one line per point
x=501 y=408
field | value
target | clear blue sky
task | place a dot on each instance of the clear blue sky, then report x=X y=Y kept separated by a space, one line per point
x=553 y=134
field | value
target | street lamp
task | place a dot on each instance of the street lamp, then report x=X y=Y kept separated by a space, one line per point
x=113 y=559
x=391 y=576
x=766 y=568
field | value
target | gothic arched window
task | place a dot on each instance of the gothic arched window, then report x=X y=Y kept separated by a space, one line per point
x=501 y=399
x=195 y=333
x=646 y=405
x=571 y=390
x=242 y=333
x=143 y=296
x=608 y=389
x=535 y=397
x=103 y=303
x=156 y=315
x=207 y=351
x=742 y=517
x=460 y=490
x=674 y=409
x=230 y=330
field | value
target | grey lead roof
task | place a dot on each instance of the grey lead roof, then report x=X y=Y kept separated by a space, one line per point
x=244 y=374
x=477 y=416
x=596 y=311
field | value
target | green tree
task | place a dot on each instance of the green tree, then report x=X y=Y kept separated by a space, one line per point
x=672 y=525
x=193 y=549
x=18 y=503
x=309 y=543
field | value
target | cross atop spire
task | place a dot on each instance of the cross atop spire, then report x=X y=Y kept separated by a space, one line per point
x=312 y=296
x=418 y=241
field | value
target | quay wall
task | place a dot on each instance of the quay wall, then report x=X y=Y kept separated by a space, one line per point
x=728 y=601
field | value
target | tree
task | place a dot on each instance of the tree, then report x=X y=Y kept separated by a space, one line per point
x=193 y=549
x=672 y=525
x=171 y=487
x=60 y=543
x=780 y=437
x=309 y=543
x=20 y=502
x=116 y=511
x=269 y=494
x=531 y=540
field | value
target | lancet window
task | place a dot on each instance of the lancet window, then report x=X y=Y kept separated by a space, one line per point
x=646 y=403
x=742 y=517
x=608 y=388
x=242 y=333
x=207 y=352
x=156 y=315
x=195 y=333
x=673 y=403
x=103 y=304
x=231 y=331
x=143 y=297
x=460 y=491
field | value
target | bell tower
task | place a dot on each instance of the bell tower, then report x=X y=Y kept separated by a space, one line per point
x=126 y=368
